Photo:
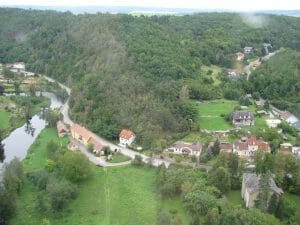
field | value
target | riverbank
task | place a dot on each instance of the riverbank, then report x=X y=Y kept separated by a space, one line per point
x=14 y=108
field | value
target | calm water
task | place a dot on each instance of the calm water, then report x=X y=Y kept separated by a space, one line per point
x=19 y=141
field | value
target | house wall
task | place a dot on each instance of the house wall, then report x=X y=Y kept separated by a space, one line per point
x=79 y=138
x=124 y=141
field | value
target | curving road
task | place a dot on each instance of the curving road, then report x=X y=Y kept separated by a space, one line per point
x=97 y=160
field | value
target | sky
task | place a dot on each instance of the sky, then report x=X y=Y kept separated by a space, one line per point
x=240 y=5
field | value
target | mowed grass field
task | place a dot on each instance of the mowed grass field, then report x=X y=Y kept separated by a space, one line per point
x=113 y=196
x=173 y=207
x=210 y=114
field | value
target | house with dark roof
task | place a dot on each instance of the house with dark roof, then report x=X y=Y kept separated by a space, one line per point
x=126 y=137
x=242 y=118
x=246 y=147
x=248 y=49
x=251 y=188
x=184 y=148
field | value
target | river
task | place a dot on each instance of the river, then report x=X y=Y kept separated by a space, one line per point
x=19 y=141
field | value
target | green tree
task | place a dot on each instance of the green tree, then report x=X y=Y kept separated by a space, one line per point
x=212 y=217
x=220 y=178
x=216 y=148
x=8 y=204
x=60 y=193
x=75 y=166
x=1 y=89
x=263 y=197
x=273 y=204
x=264 y=162
x=199 y=202
x=2 y=150
x=13 y=176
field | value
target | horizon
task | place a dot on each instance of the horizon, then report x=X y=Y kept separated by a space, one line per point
x=229 y=5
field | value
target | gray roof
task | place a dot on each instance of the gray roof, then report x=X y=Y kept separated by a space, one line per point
x=242 y=115
x=196 y=146
x=251 y=181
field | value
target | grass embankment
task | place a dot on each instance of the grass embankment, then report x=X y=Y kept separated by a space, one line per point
x=118 y=157
x=115 y=196
x=215 y=72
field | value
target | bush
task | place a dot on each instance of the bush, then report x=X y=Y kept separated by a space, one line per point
x=137 y=161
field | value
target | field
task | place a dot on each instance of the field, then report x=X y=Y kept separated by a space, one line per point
x=215 y=72
x=210 y=114
x=114 y=196
x=4 y=119
x=235 y=198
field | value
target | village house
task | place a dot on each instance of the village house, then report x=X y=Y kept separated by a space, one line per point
x=286 y=147
x=17 y=67
x=126 y=137
x=248 y=49
x=273 y=123
x=251 y=188
x=85 y=137
x=260 y=102
x=242 y=118
x=81 y=134
x=62 y=130
x=288 y=117
x=226 y=147
x=232 y=73
x=240 y=56
x=246 y=147
x=183 y=148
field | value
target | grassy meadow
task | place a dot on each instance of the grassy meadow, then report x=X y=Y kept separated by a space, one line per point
x=113 y=196
x=210 y=114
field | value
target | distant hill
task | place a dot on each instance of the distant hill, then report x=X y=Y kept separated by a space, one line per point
x=144 y=10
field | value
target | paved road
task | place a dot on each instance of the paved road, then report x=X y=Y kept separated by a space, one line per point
x=96 y=160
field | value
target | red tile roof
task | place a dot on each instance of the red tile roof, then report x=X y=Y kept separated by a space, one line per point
x=253 y=141
x=96 y=144
x=82 y=131
x=126 y=134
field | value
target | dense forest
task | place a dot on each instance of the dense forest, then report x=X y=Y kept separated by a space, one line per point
x=140 y=72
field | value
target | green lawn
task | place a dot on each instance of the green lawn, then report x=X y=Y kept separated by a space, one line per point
x=210 y=114
x=114 y=196
x=215 y=72
x=118 y=157
x=4 y=119
x=174 y=208
x=235 y=198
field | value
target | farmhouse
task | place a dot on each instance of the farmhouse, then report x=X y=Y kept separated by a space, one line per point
x=17 y=67
x=248 y=49
x=226 y=147
x=81 y=134
x=126 y=137
x=286 y=147
x=273 y=123
x=246 y=147
x=62 y=130
x=251 y=188
x=97 y=146
x=184 y=148
x=242 y=118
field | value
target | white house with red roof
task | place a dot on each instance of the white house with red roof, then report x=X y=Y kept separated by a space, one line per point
x=246 y=147
x=126 y=137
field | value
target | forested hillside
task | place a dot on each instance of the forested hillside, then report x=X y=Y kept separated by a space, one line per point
x=138 y=72
x=279 y=80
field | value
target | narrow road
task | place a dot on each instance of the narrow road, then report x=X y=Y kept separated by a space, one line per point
x=97 y=160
